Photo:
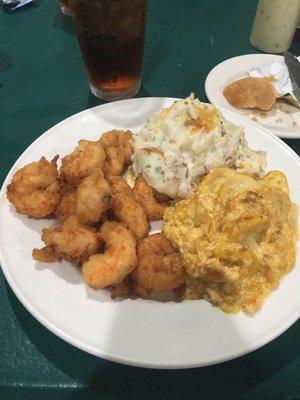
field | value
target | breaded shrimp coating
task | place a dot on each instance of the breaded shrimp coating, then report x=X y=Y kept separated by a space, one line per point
x=128 y=211
x=118 y=149
x=120 y=139
x=114 y=163
x=159 y=268
x=93 y=198
x=150 y=199
x=86 y=158
x=72 y=241
x=119 y=259
x=66 y=206
x=34 y=189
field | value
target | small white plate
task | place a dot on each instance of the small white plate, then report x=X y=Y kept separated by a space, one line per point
x=137 y=332
x=283 y=119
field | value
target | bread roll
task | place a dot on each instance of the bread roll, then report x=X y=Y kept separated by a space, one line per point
x=251 y=93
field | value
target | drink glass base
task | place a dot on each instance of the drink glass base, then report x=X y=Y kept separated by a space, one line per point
x=66 y=11
x=112 y=95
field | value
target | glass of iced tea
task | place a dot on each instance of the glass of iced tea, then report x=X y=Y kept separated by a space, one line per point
x=111 y=35
x=66 y=6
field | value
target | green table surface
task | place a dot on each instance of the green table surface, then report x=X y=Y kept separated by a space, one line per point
x=42 y=81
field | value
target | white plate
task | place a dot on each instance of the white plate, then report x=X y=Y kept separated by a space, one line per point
x=277 y=119
x=137 y=332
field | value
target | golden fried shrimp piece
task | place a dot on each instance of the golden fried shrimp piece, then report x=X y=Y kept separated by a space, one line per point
x=127 y=209
x=159 y=268
x=115 y=161
x=118 y=149
x=46 y=254
x=121 y=289
x=86 y=158
x=120 y=139
x=119 y=259
x=66 y=206
x=34 y=189
x=72 y=241
x=93 y=198
x=150 y=199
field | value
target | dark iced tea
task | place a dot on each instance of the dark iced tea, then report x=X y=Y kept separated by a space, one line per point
x=111 y=35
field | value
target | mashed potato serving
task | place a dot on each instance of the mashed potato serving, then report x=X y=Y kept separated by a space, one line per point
x=236 y=237
x=181 y=143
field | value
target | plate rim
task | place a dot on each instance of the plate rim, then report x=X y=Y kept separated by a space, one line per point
x=282 y=133
x=107 y=355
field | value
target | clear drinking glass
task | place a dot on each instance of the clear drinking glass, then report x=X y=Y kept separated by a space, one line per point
x=111 y=35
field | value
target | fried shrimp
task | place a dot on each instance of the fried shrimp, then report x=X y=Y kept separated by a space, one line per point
x=93 y=198
x=46 y=254
x=72 y=241
x=86 y=158
x=66 y=206
x=159 y=268
x=115 y=162
x=127 y=209
x=118 y=149
x=119 y=259
x=34 y=189
x=119 y=139
x=153 y=202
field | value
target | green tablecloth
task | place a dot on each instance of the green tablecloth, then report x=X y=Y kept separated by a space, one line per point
x=42 y=81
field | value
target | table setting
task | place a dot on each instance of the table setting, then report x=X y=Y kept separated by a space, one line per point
x=150 y=178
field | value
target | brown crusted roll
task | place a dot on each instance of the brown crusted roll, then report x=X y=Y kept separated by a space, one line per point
x=251 y=93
